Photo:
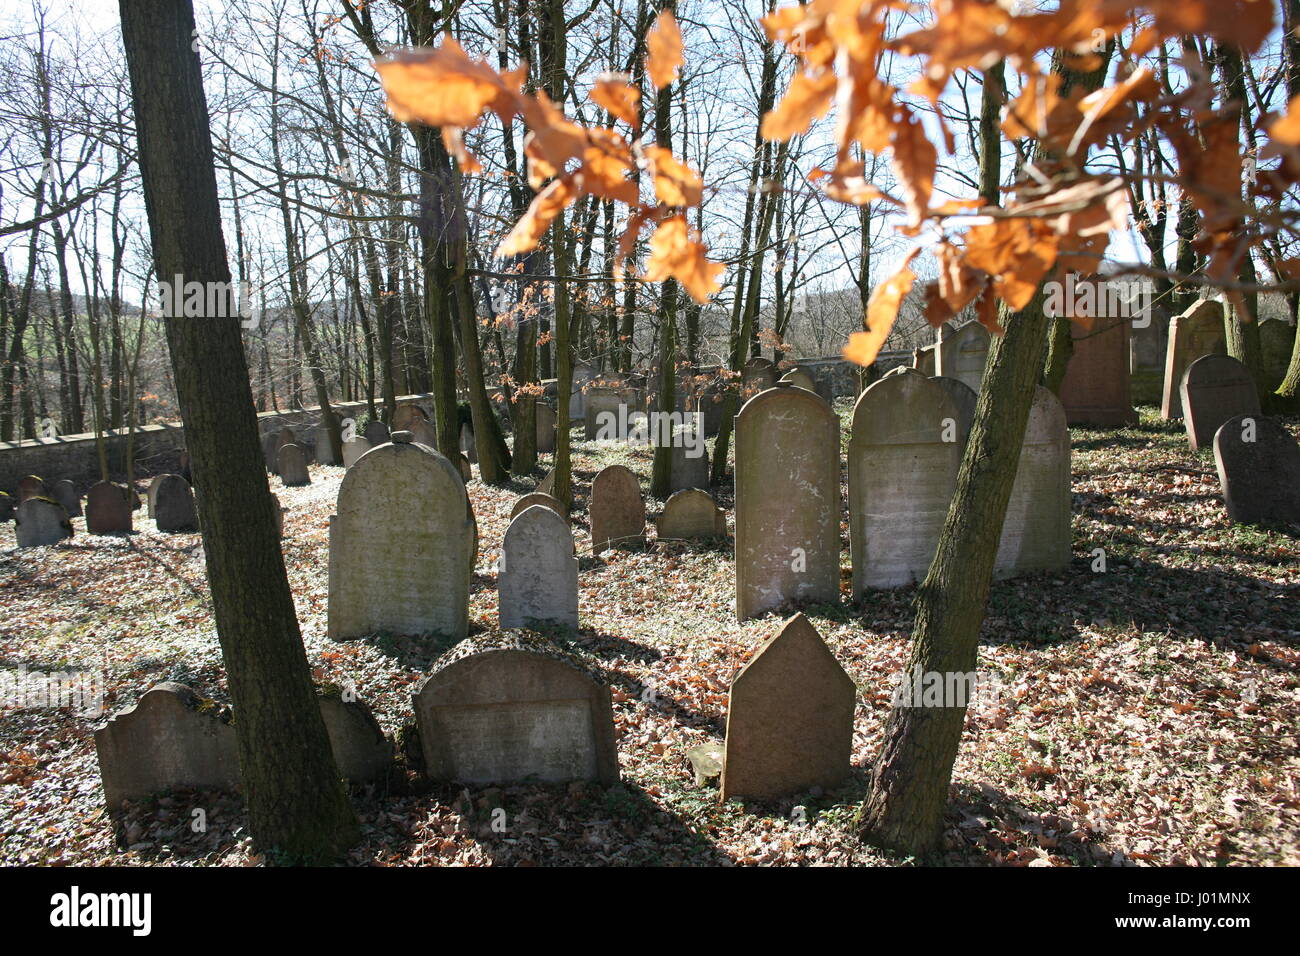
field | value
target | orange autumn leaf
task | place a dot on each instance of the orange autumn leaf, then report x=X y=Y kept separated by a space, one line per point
x=606 y=167
x=1287 y=129
x=914 y=160
x=553 y=139
x=532 y=225
x=614 y=93
x=676 y=184
x=675 y=252
x=442 y=86
x=808 y=98
x=882 y=311
x=664 y=50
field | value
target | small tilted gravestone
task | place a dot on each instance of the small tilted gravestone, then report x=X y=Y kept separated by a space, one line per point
x=691 y=515
x=1197 y=332
x=65 y=493
x=1259 y=470
x=1215 y=388
x=545 y=428
x=108 y=509
x=617 y=511
x=291 y=464
x=32 y=486
x=789 y=718
x=361 y=751
x=353 y=450
x=538 y=576
x=376 y=433
x=537 y=498
x=40 y=522
x=511 y=708
x=174 y=509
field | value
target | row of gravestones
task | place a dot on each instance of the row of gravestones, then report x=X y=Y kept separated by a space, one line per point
x=513 y=707
x=43 y=515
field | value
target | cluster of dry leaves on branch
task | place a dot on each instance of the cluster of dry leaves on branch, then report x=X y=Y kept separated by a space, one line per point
x=1057 y=216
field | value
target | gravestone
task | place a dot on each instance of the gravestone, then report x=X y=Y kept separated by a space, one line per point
x=758 y=375
x=923 y=360
x=466 y=470
x=905 y=448
x=404 y=416
x=1259 y=470
x=691 y=514
x=537 y=498
x=170 y=739
x=1276 y=340
x=687 y=471
x=32 y=487
x=7 y=506
x=467 y=444
x=174 y=505
x=787 y=501
x=353 y=450
x=582 y=374
x=547 y=485
x=1147 y=348
x=545 y=428
x=376 y=433
x=291 y=466
x=1215 y=388
x=108 y=510
x=65 y=493
x=617 y=512
x=606 y=410
x=962 y=353
x=1096 y=390
x=152 y=492
x=361 y=751
x=272 y=444
x=401 y=545
x=1197 y=332
x=422 y=433
x=512 y=708
x=789 y=718
x=710 y=406
x=41 y=521
x=964 y=398
x=538 y=578
x=324 y=451
x=1036 y=531
x=800 y=378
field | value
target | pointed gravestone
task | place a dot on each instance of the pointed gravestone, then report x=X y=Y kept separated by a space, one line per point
x=353 y=450
x=32 y=487
x=538 y=577
x=40 y=522
x=545 y=428
x=65 y=493
x=394 y=567
x=1197 y=332
x=512 y=708
x=1036 y=531
x=617 y=510
x=361 y=751
x=376 y=433
x=789 y=718
x=174 y=506
x=1259 y=470
x=905 y=448
x=1096 y=389
x=691 y=515
x=291 y=465
x=1215 y=388
x=537 y=498
x=108 y=510
x=962 y=353
x=787 y=501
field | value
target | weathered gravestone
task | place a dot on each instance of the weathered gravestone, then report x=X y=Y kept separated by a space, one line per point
x=962 y=354
x=404 y=416
x=787 y=501
x=905 y=448
x=7 y=506
x=174 y=505
x=1276 y=340
x=758 y=375
x=547 y=485
x=400 y=545
x=151 y=494
x=376 y=433
x=538 y=579
x=1215 y=388
x=361 y=751
x=32 y=487
x=1259 y=470
x=65 y=493
x=324 y=450
x=466 y=470
x=291 y=466
x=1197 y=332
x=1096 y=390
x=545 y=428
x=964 y=398
x=40 y=522
x=606 y=412
x=617 y=511
x=538 y=498
x=422 y=433
x=1036 y=531
x=512 y=707
x=582 y=374
x=271 y=445
x=691 y=514
x=923 y=360
x=170 y=739
x=108 y=509
x=468 y=447
x=353 y=450
x=709 y=407
x=789 y=718
x=800 y=378
x=688 y=459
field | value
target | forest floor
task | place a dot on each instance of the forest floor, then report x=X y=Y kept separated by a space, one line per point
x=1148 y=715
